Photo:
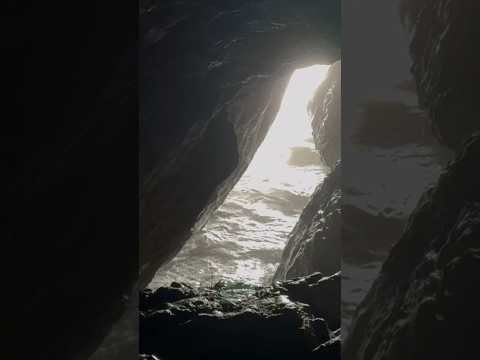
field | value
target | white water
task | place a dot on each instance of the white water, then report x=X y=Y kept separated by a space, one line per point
x=245 y=237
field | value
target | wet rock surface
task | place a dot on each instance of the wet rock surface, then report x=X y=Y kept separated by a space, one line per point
x=327 y=116
x=446 y=81
x=424 y=303
x=148 y=357
x=330 y=349
x=314 y=243
x=292 y=319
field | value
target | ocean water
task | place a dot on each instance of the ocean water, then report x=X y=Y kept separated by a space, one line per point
x=245 y=237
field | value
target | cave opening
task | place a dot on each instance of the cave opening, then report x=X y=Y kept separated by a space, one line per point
x=244 y=238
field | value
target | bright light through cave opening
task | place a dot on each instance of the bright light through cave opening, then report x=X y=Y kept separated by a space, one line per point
x=291 y=132
x=245 y=237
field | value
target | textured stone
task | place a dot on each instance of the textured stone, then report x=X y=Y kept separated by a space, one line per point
x=314 y=243
x=445 y=53
x=237 y=321
x=326 y=108
x=424 y=303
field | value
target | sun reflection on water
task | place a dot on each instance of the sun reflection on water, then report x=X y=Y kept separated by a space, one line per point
x=245 y=237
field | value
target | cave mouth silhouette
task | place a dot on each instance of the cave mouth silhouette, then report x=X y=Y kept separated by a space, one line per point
x=244 y=238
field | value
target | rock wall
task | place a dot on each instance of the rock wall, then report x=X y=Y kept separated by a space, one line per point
x=423 y=304
x=314 y=244
x=444 y=38
x=212 y=77
x=326 y=108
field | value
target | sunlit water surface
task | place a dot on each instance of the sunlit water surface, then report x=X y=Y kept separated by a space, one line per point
x=244 y=239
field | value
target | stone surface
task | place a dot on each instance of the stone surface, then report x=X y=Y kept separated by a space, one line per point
x=424 y=303
x=444 y=38
x=329 y=350
x=314 y=243
x=326 y=108
x=321 y=292
x=237 y=321
x=148 y=357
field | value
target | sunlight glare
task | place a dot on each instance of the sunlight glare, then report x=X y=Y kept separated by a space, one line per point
x=292 y=126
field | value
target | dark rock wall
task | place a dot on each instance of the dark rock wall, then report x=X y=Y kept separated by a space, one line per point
x=424 y=303
x=314 y=244
x=445 y=52
x=326 y=109
x=212 y=77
